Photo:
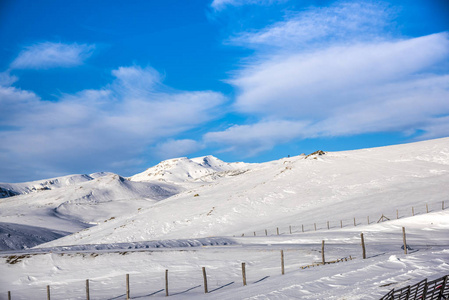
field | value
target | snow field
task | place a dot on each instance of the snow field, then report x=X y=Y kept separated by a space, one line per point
x=386 y=266
x=205 y=198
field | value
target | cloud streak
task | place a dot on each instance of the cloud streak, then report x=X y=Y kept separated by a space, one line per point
x=318 y=27
x=52 y=55
x=325 y=82
x=222 y=4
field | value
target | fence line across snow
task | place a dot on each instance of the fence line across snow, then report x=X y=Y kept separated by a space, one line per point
x=292 y=229
x=323 y=262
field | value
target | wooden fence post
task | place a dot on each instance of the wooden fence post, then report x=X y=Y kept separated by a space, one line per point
x=87 y=290
x=322 y=252
x=266 y=232
x=354 y=222
x=244 y=274
x=302 y=227
x=427 y=208
x=166 y=283
x=290 y=227
x=315 y=225
x=277 y=230
x=282 y=262
x=48 y=292
x=363 y=246
x=254 y=233
x=205 y=280
x=368 y=219
x=442 y=290
x=327 y=224
x=413 y=211
x=341 y=224
x=127 y=287
x=9 y=295
x=403 y=238
x=397 y=213
x=442 y=205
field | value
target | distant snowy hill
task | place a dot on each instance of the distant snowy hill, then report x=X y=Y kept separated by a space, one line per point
x=184 y=214
x=73 y=203
x=12 y=189
x=183 y=170
x=291 y=191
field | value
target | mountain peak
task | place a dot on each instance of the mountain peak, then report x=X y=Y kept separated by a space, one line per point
x=183 y=169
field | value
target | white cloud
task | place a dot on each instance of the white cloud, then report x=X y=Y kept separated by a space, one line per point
x=435 y=128
x=6 y=79
x=135 y=81
x=322 y=83
x=94 y=129
x=401 y=107
x=52 y=55
x=176 y=148
x=342 y=21
x=222 y=4
x=339 y=70
x=407 y=107
x=250 y=140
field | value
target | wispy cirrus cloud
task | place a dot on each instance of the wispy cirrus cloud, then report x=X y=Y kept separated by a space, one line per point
x=321 y=26
x=52 y=55
x=97 y=129
x=6 y=79
x=222 y=4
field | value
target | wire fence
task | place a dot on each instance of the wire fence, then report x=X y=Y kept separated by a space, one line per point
x=435 y=289
x=339 y=224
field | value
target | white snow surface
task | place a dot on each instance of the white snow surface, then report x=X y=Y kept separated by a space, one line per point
x=76 y=202
x=48 y=184
x=206 y=213
x=183 y=170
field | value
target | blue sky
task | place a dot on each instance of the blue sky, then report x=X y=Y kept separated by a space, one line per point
x=88 y=86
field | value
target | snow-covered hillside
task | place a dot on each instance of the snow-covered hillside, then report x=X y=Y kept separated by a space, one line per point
x=186 y=213
x=291 y=191
x=183 y=170
x=47 y=184
x=72 y=203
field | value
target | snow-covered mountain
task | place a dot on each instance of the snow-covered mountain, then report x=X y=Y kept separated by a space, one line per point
x=290 y=191
x=13 y=189
x=183 y=170
x=72 y=203
x=230 y=213
x=75 y=202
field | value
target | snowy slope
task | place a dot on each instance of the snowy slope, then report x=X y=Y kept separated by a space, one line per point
x=72 y=204
x=184 y=171
x=195 y=227
x=386 y=266
x=290 y=192
x=16 y=236
x=46 y=184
